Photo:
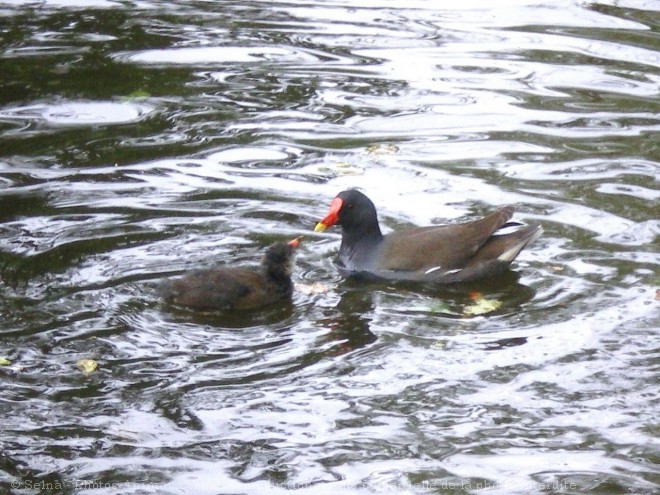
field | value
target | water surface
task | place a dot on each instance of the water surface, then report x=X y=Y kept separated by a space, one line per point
x=142 y=139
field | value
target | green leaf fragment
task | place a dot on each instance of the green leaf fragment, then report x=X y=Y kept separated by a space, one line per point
x=139 y=93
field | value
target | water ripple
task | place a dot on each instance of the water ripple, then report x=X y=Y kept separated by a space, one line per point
x=141 y=141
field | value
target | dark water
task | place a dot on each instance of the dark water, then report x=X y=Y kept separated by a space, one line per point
x=141 y=139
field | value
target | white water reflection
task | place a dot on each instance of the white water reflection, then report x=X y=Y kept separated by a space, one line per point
x=218 y=55
x=72 y=4
x=78 y=113
x=261 y=112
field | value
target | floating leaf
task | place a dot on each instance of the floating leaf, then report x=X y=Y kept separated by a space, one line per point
x=482 y=306
x=87 y=365
x=382 y=149
x=4 y=361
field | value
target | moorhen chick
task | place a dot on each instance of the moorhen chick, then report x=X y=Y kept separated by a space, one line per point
x=440 y=254
x=233 y=287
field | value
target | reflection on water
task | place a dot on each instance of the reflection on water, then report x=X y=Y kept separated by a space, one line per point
x=140 y=141
x=77 y=114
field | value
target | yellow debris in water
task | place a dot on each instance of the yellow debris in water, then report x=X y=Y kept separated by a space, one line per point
x=87 y=365
x=481 y=306
x=382 y=149
x=339 y=169
x=313 y=288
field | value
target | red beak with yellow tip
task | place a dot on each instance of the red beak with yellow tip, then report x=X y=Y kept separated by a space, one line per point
x=332 y=217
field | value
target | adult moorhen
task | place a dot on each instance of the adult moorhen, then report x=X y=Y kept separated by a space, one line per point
x=236 y=288
x=441 y=254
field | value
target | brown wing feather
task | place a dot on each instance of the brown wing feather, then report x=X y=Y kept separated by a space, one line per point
x=448 y=246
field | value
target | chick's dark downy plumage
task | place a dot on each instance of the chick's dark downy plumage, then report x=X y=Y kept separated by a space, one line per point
x=235 y=287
